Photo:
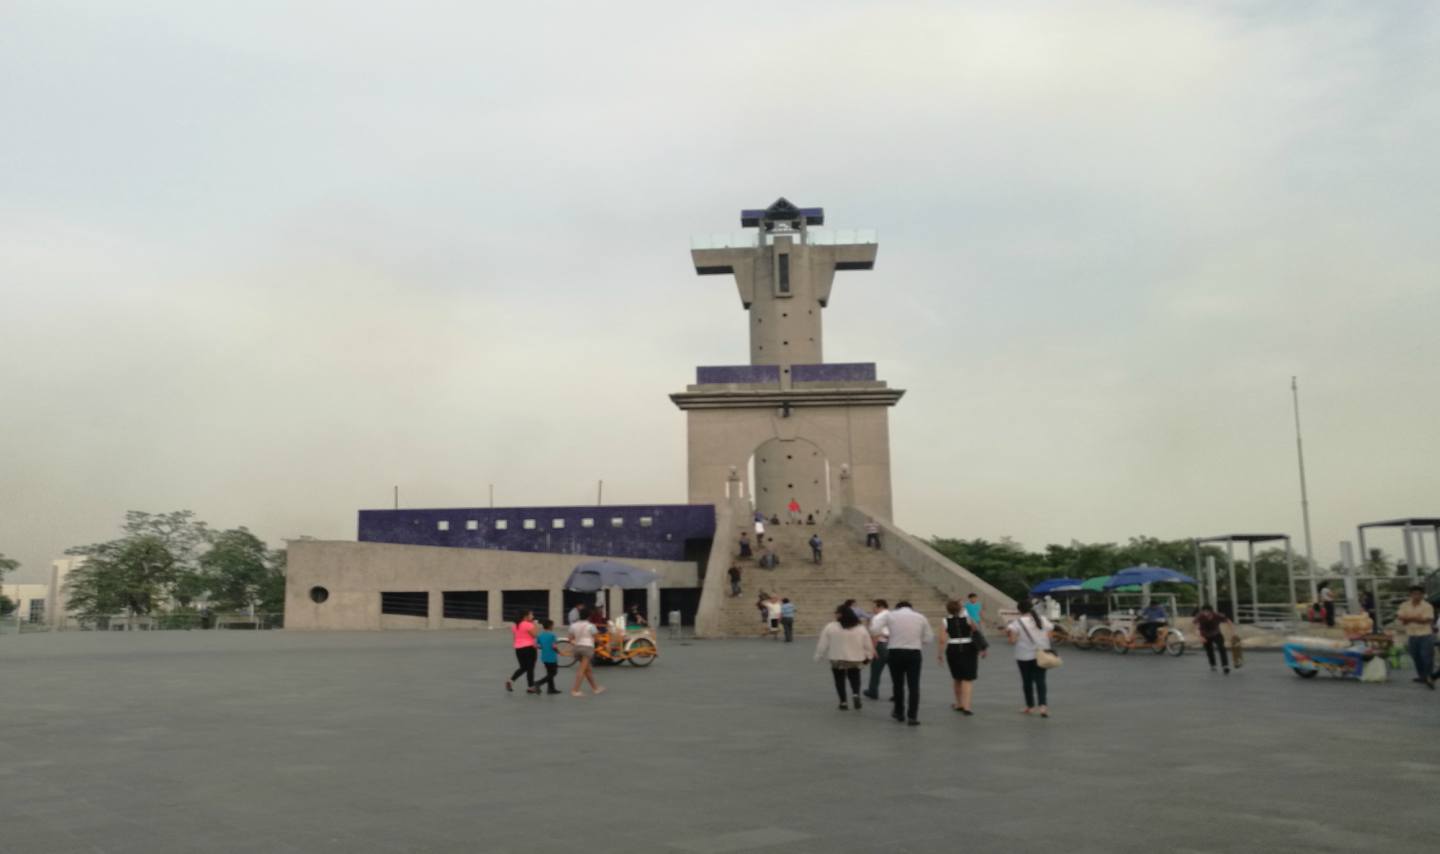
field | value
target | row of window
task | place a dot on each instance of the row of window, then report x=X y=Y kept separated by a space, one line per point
x=531 y=524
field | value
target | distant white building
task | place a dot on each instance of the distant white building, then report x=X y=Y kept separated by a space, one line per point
x=58 y=608
x=32 y=602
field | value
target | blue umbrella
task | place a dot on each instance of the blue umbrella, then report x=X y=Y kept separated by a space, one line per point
x=1147 y=575
x=599 y=574
x=1056 y=585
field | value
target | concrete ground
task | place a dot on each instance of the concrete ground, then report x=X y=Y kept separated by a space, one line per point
x=391 y=742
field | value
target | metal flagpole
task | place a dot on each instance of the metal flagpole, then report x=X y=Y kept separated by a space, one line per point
x=1304 y=495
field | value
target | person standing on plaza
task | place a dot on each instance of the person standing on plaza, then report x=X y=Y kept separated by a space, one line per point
x=975 y=610
x=872 y=534
x=1030 y=632
x=1327 y=603
x=524 y=630
x=787 y=619
x=961 y=653
x=909 y=632
x=880 y=637
x=816 y=548
x=545 y=642
x=794 y=510
x=734 y=574
x=582 y=641
x=846 y=644
x=1417 y=618
x=1209 y=623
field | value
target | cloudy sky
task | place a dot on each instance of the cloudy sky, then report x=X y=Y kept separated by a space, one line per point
x=266 y=260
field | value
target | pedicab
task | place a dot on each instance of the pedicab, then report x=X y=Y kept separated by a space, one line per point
x=1065 y=631
x=1123 y=634
x=1361 y=655
x=615 y=642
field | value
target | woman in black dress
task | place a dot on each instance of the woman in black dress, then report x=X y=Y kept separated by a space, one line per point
x=960 y=652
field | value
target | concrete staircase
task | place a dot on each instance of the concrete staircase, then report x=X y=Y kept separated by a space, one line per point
x=850 y=571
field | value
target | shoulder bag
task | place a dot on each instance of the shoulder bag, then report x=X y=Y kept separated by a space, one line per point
x=1045 y=659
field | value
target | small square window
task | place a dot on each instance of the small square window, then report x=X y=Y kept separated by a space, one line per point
x=587 y=522
x=501 y=524
x=472 y=525
x=442 y=525
x=647 y=521
x=557 y=523
x=617 y=521
x=528 y=524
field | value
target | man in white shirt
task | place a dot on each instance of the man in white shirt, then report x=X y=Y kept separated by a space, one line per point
x=909 y=632
x=880 y=634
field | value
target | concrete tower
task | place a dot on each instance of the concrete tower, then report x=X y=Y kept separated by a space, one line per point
x=817 y=432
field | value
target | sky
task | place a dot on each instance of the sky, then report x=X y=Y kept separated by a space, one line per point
x=266 y=260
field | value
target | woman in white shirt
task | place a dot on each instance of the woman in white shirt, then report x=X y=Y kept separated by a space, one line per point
x=582 y=642
x=1030 y=632
x=846 y=643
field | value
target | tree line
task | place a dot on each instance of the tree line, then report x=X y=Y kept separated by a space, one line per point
x=174 y=564
x=1008 y=566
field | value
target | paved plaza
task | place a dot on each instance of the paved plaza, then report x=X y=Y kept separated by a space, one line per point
x=392 y=742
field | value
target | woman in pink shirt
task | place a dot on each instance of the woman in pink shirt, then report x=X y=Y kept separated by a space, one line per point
x=525 y=652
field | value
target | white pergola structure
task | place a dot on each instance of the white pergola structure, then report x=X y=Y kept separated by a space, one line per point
x=1414 y=531
x=1249 y=540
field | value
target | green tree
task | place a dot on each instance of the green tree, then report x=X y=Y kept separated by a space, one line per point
x=132 y=574
x=239 y=572
x=152 y=565
x=6 y=565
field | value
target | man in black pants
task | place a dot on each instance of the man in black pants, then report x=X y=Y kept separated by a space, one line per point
x=1208 y=622
x=909 y=632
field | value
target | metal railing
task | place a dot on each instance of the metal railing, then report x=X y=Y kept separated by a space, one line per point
x=179 y=621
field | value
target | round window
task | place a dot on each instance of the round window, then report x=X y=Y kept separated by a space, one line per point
x=319 y=594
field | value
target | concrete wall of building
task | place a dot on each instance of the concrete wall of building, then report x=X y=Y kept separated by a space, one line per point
x=926 y=564
x=716 y=584
x=854 y=439
x=785 y=325
x=353 y=575
x=791 y=469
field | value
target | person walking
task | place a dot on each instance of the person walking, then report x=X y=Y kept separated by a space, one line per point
x=582 y=641
x=734 y=574
x=793 y=508
x=962 y=655
x=880 y=636
x=524 y=643
x=772 y=617
x=1327 y=603
x=745 y=552
x=1416 y=618
x=846 y=644
x=787 y=619
x=816 y=548
x=872 y=534
x=545 y=642
x=909 y=632
x=1030 y=632
x=764 y=612
x=1209 y=623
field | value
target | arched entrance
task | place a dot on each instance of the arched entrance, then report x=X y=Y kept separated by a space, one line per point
x=791 y=469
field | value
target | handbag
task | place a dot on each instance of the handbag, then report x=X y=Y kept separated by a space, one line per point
x=1044 y=659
